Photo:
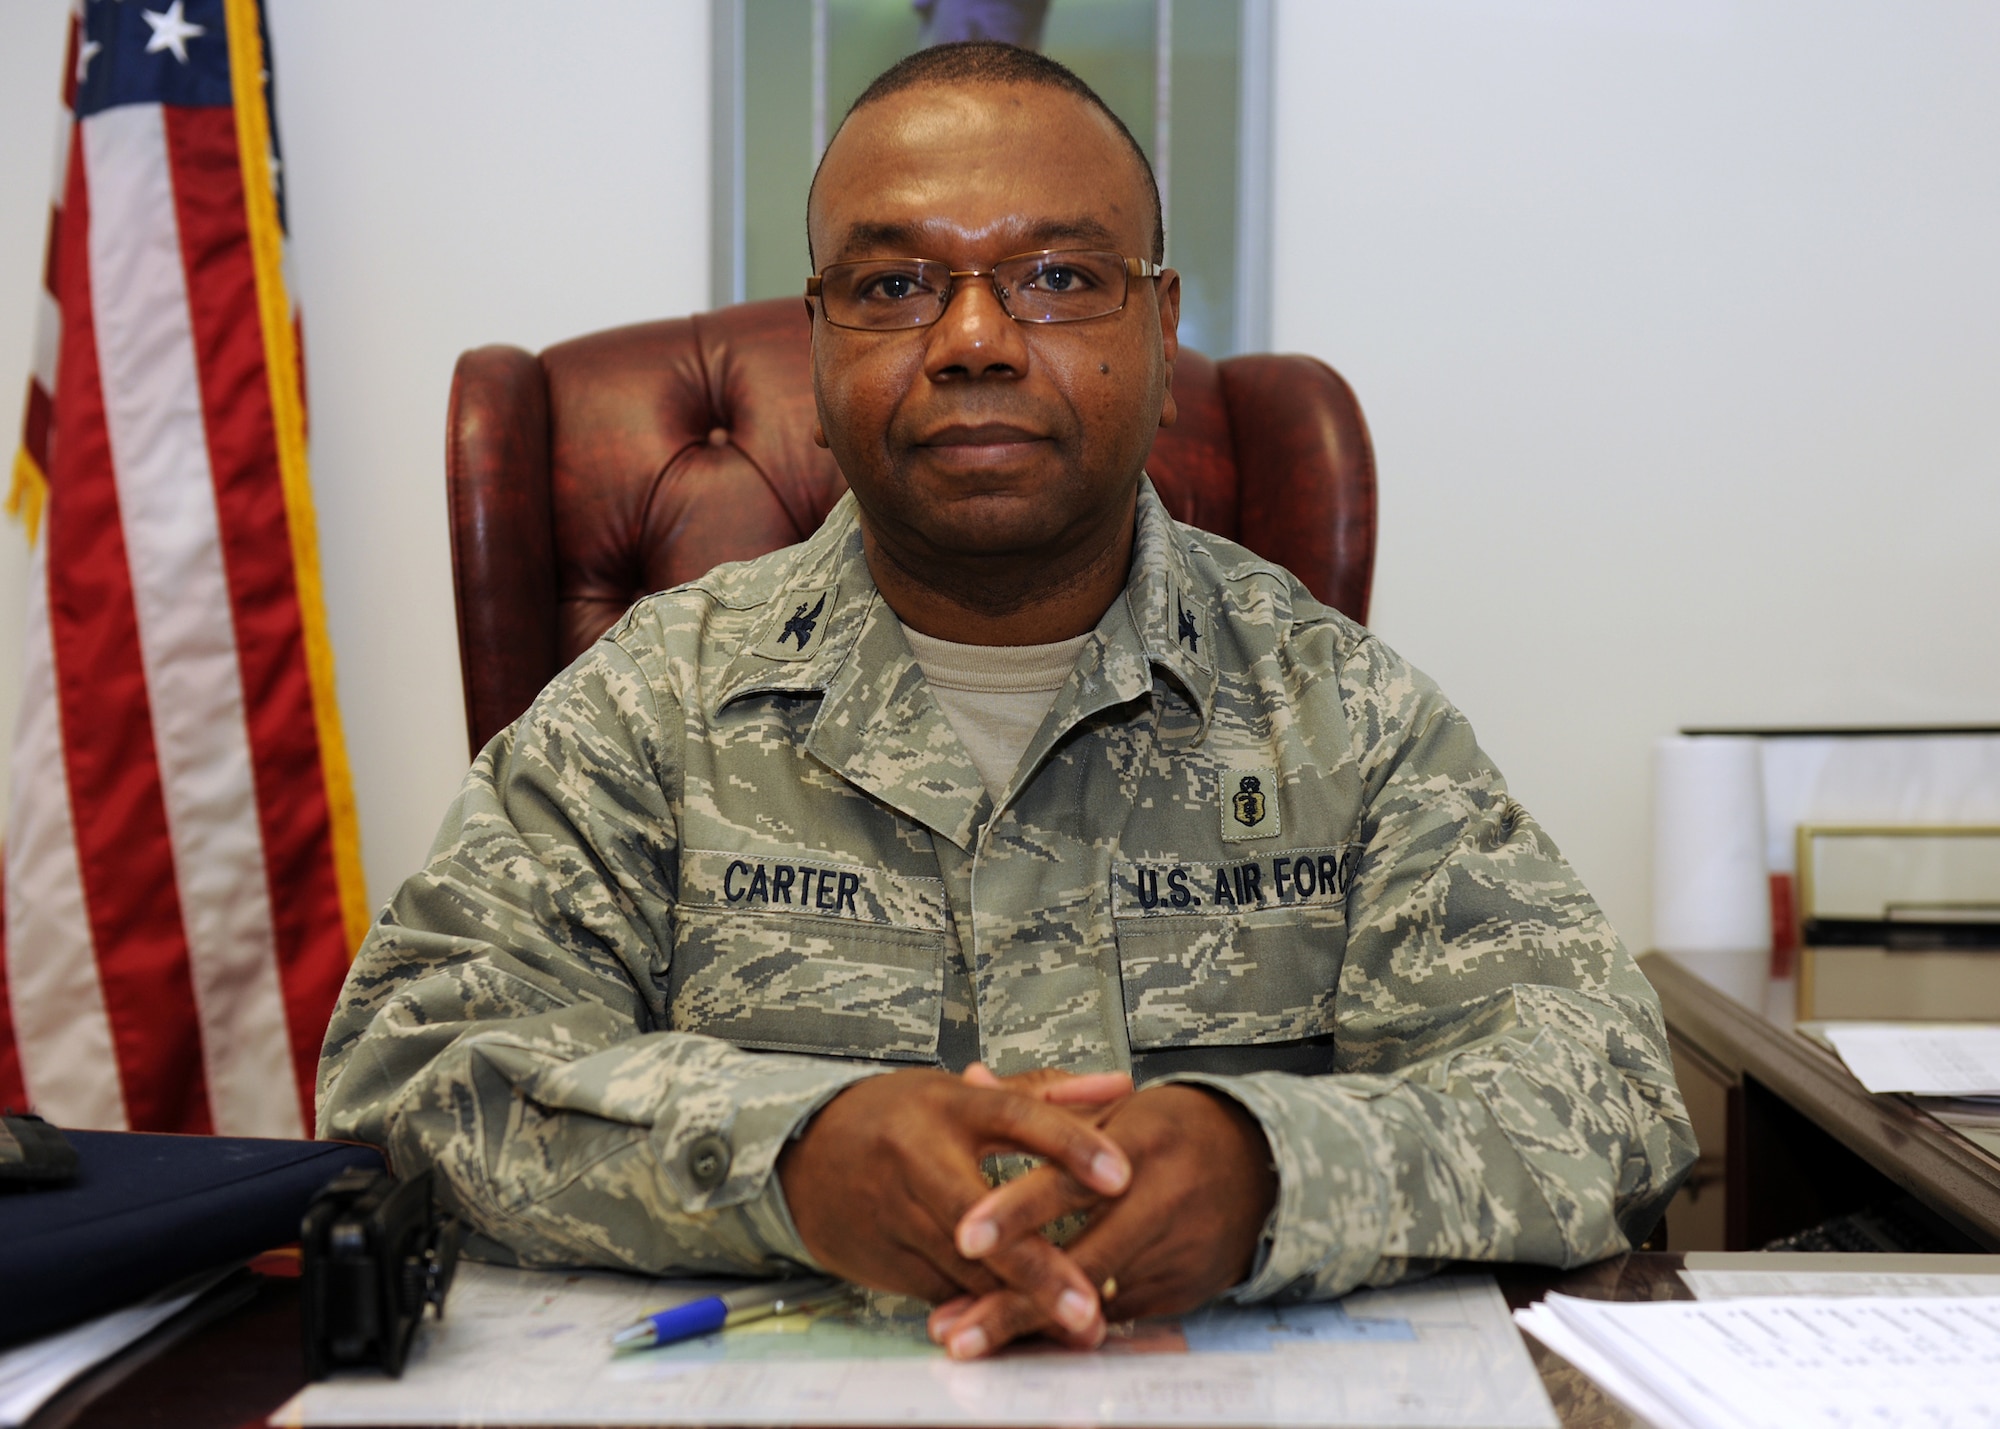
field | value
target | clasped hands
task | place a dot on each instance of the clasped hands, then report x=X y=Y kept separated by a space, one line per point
x=886 y=1191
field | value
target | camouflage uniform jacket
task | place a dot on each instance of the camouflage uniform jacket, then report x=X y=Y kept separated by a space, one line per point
x=735 y=858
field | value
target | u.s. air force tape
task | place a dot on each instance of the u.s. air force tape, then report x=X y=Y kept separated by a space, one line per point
x=1294 y=878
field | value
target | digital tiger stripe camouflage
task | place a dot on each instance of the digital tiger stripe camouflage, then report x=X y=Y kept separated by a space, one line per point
x=735 y=858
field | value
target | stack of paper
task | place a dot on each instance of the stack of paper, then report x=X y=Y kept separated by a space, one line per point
x=1787 y=1363
x=1861 y=1273
x=1952 y=1070
x=1938 y=1060
x=31 y=1374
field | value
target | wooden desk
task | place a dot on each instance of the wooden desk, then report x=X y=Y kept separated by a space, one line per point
x=1795 y=1140
x=234 y=1358
x=1789 y=1137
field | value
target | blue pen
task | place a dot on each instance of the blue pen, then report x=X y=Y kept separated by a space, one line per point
x=731 y=1307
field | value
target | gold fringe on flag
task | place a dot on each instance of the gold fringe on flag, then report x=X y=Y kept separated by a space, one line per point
x=28 y=494
x=267 y=240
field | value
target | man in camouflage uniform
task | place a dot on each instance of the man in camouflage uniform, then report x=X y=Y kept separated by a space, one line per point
x=729 y=959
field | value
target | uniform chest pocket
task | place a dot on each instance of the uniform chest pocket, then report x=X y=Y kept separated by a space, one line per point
x=798 y=955
x=1242 y=953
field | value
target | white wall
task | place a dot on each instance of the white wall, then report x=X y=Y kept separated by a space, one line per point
x=1677 y=326
x=463 y=172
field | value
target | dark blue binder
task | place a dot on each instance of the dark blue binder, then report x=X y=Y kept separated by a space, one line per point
x=145 y=1211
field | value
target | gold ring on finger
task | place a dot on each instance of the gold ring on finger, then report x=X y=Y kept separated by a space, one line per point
x=1108 y=1291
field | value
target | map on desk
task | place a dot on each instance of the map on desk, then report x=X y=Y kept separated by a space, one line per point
x=532 y=1347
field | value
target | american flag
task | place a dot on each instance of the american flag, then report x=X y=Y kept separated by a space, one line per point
x=183 y=885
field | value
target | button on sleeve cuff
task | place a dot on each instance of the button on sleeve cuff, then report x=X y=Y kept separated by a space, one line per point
x=768 y=1214
x=719 y=1143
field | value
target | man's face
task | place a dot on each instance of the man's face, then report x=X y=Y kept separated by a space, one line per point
x=980 y=436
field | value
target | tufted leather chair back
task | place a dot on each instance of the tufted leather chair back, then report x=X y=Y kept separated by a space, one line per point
x=634 y=459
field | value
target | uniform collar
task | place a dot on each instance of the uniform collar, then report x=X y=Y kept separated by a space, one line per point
x=775 y=659
x=878 y=724
x=1172 y=608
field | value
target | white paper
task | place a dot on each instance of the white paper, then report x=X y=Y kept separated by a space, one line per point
x=1938 y=1060
x=1608 y=1375
x=31 y=1374
x=1711 y=889
x=1799 y=1362
x=528 y=1347
x=1748 y=1284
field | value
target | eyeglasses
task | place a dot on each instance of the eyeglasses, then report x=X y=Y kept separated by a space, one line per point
x=1058 y=285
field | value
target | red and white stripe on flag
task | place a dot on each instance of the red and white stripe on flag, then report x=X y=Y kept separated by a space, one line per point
x=182 y=873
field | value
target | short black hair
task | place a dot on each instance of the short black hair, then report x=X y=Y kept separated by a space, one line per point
x=990 y=62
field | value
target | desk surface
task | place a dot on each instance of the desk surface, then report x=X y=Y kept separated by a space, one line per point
x=1946 y=1171
x=233 y=1359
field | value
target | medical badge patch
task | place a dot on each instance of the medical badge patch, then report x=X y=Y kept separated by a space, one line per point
x=1249 y=804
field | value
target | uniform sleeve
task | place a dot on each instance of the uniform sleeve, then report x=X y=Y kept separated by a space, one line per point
x=1504 y=1091
x=505 y=1019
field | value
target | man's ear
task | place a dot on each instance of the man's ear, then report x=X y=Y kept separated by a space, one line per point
x=1169 y=286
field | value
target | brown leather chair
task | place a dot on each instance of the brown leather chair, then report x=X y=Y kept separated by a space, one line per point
x=628 y=461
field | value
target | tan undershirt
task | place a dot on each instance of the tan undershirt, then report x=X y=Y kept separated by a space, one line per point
x=996 y=696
